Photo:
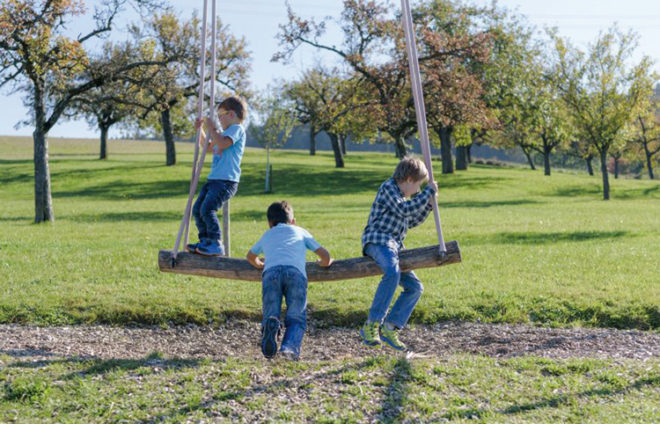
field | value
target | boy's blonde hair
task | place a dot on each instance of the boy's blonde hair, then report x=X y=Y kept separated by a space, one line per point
x=410 y=167
x=235 y=104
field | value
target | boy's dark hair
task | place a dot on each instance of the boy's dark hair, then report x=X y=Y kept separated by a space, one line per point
x=410 y=167
x=235 y=104
x=280 y=213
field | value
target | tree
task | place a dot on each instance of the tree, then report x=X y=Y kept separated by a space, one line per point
x=36 y=57
x=372 y=49
x=275 y=123
x=335 y=103
x=602 y=92
x=165 y=89
x=455 y=51
x=646 y=131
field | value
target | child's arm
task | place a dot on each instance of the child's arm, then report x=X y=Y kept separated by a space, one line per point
x=324 y=257
x=217 y=139
x=407 y=208
x=420 y=217
x=255 y=260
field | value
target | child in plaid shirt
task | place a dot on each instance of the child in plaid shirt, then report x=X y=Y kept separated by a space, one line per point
x=391 y=216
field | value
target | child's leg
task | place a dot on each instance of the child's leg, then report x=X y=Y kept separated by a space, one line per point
x=219 y=192
x=404 y=305
x=271 y=296
x=388 y=260
x=196 y=213
x=295 y=293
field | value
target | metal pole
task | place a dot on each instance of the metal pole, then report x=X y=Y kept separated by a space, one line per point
x=418 y=96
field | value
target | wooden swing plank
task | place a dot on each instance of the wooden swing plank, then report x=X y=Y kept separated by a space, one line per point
x=343 y=269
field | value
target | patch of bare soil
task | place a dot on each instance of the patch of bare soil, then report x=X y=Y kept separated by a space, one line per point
x=241 y=340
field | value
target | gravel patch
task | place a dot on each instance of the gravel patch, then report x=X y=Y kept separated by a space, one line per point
x=240 y=339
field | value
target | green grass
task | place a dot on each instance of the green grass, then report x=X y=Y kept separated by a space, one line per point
x=458 y=388
x=543 y=250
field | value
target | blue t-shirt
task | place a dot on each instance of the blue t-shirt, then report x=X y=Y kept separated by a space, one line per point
x=285 y=244
x=227 y=164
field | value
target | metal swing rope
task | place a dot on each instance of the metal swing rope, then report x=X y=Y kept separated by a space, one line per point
x=184 y=228
x=420 y=111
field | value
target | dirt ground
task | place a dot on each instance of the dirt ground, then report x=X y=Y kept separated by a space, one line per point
x=241 y=340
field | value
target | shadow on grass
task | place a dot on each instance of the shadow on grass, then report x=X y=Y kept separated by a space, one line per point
x=124 y=190
x=275 y=388
x=596 y=191
x=542 y=238
x=393 y=405
x=98 y=367
x=145 y=216
x=571 y=398
x=470 y=204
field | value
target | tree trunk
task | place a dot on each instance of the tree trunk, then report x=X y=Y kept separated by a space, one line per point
x=166 y=123
x=590 y=168
x=363 y=266
x=343 y=145
x=267 y=187
x=616 y=168
x=336 y=148
x=546 y=160
x=400 y=147
x=445 y=149
x=603 y=170
x=468 y=152
x=312 y=140
x=529 y=158
x=43 y=201
x=104 y=142
x=649 y=163
x=461 y=158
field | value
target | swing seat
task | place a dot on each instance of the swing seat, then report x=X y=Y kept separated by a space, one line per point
x=343 y=269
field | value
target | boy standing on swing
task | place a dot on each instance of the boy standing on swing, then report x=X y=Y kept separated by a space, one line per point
x=227 y=144
x=391 y=216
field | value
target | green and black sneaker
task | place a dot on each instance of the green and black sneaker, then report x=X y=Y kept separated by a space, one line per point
x=369 y=334
x=391 y=337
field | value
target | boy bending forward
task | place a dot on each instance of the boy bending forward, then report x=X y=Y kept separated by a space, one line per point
x=284 y=247
x=391 y=216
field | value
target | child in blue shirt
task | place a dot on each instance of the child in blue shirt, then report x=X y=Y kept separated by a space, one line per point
x=227 y=147
x=390 y=217
x=284 y=247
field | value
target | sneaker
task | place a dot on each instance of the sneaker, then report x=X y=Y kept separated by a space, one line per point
x=391 y=337
x=369 y=334
x=289 y=354
x=192 y=247
x=210 y=249
x=269 y=335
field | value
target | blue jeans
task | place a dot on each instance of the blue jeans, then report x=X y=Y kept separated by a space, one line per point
x=287 y=281
x=388 y=260
x=213 y=194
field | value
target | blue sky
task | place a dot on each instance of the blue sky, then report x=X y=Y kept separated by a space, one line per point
x=258 y=20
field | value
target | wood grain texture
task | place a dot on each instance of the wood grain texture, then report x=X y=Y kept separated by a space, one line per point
x=342 y=269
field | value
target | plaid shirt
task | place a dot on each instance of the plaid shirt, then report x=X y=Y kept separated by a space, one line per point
x=391 y=215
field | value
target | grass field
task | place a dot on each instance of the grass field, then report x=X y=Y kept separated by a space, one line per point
x=536 y=249
x=459 y=388
x=540 y=250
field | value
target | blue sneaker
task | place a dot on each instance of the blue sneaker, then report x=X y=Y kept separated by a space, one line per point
x=289 y=353
x=192 y=247
x=210 y=249
x=269 y=334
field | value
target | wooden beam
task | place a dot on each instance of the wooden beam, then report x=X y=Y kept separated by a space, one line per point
x=343 y=269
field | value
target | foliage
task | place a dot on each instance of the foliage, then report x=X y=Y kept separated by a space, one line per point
x=602 y=91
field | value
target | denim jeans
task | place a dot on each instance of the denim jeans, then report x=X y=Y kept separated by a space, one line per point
x=287 y=281
x=388 y=260
x=213 y=194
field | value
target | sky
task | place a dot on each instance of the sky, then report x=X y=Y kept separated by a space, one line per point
x=257 y=21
